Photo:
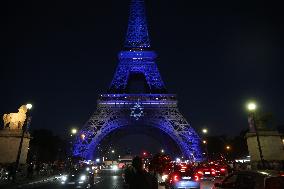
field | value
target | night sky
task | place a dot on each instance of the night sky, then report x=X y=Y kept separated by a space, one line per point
x=59 y=55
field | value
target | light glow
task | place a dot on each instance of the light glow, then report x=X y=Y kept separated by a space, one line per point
x=83 y=177
x=29 y=106
x=251 y=106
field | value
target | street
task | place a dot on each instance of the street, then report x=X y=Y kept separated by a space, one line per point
x=106 y=179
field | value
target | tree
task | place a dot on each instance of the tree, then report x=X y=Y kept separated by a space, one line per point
x=46 y=147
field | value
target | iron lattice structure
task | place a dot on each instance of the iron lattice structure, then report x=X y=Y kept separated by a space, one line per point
x=115 y=109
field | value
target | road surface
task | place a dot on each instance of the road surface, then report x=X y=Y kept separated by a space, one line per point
x=106 y=179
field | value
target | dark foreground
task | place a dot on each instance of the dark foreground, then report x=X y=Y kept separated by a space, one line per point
x=106 y=179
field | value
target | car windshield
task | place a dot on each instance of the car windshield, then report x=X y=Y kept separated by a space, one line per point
x=274 y=183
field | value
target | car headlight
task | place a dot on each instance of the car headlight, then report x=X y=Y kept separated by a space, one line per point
x=64 y=178
x=164 y=177
x=83 y=177
x=114 y=167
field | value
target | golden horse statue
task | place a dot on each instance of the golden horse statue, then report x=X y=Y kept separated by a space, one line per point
x=15 y=121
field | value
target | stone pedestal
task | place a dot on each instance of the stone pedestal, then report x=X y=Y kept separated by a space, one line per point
x=9 y=146
x=271 y=145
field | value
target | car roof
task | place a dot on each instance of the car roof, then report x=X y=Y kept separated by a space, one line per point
x=264 y=173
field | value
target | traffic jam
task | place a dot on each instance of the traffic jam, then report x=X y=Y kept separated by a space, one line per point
x=210 y=175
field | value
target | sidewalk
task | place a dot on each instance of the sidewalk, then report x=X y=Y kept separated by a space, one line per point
x=23 y=181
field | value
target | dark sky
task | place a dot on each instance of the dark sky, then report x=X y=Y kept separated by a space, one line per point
x=59 y=55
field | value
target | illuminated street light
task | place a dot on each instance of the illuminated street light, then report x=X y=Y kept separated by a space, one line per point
x=74 y=131
x=204 y=131
x=251 y=106
x=162 y=151
x=29 y=106
x=112 y=151
x=204 y=142
x=228 y=147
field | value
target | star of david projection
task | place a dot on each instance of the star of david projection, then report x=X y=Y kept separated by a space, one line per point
x=137 y=111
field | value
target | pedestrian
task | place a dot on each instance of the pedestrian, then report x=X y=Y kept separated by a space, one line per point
x=137 y=178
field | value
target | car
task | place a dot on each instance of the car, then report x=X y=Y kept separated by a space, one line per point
x=183 y=176
x=206 y=171
x=78 y=178
x=252 y=180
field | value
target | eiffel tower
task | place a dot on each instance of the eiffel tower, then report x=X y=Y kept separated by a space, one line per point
x=122 y=108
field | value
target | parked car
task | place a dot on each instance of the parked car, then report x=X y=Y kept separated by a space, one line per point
x=252 y=180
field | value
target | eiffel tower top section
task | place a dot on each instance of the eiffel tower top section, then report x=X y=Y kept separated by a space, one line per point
x=137 y=33
x=137 y=72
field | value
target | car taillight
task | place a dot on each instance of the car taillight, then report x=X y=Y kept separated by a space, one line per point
x=200 y=172
x=175 y=178
x=196 y=178
x=213 y=173
x=223 y=169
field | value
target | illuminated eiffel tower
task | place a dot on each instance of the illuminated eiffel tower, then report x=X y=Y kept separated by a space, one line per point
x=122 y=108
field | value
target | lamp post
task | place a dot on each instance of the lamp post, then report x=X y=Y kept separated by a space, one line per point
x=204 y=141
x=112 y=155
x=74 y=131
x=24 y=130
x=252 y=108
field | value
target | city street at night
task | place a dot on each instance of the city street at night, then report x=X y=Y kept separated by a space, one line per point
x=106 y=179
x=142 y=94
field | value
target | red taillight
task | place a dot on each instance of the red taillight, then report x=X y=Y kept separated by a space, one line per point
x=175 y=178
x=223 y=169
x=213 y=173
x=196 y=178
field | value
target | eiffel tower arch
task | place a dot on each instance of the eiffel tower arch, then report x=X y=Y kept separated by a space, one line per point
x=121 y=107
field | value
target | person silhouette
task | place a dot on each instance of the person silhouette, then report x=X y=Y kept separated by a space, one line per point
x=137 y=178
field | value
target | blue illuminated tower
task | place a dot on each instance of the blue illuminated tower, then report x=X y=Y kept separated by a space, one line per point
x=137 y=59
x=123 y=107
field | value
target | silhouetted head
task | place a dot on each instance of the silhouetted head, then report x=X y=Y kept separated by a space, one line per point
x=137 y=163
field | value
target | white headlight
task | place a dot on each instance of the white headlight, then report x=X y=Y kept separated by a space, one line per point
x=64 y=178
x=83 y=177
x=114 y=167
x=164 y=177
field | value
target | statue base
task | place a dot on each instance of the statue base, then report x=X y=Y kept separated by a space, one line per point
x=272 y=149
x=9 y=146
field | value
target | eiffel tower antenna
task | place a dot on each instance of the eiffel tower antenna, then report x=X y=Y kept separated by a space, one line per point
x=137 y=33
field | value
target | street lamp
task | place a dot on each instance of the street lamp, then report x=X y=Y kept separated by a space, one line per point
x=204 y=131
x=204 y=142
x=251 y=106
x=162 y=151
x=228 y=147
x=112 y=151
x=74 y=131
x=29 y=106
x=24 y=130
